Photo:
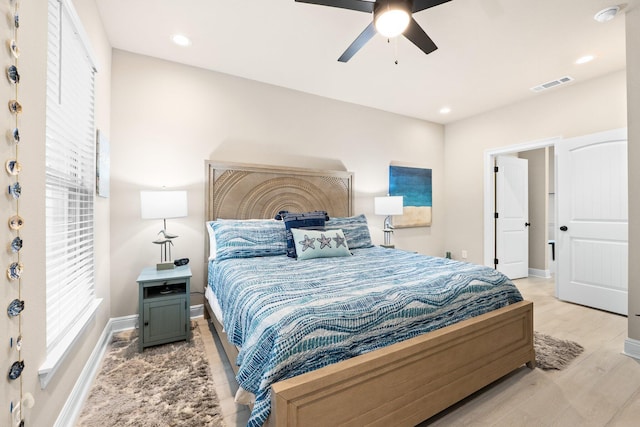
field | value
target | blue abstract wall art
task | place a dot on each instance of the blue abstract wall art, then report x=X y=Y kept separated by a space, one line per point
x=414 y=184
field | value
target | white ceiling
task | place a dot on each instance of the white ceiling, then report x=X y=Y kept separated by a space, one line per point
x=491 y=52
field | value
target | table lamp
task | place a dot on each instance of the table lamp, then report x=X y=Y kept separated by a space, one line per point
x=389 y=205
x=163 y=205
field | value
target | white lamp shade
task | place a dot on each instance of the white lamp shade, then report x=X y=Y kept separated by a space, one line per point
x=390 y=205
x=163 y=204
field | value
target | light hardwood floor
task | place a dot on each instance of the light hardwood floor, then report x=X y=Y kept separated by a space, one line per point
x=600 y=388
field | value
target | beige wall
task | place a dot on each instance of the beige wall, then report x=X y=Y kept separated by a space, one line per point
x=32 y=67
x=633 y=105
x=575 y=110
x=168 y=118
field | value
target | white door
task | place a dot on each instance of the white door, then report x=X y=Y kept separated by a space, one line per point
x=512 y=222
x=592 y=234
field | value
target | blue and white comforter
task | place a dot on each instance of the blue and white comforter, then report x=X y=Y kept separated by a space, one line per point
x=290 y=317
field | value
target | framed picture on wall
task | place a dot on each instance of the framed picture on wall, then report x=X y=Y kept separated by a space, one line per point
x=414 y=185
x=102 y=164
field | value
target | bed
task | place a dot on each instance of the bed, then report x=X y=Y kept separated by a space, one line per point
x=392 y=367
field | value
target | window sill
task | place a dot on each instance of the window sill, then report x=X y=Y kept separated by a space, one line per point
x=58 y=354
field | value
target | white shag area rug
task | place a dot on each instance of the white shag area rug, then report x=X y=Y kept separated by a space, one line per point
x=166 y=385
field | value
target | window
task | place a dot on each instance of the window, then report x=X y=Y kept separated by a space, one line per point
x=69 y=184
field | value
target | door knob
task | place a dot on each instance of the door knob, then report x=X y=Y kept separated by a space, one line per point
x=564 y=228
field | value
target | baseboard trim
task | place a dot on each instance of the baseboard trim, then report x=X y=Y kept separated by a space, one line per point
x=70 y=412
x=197 y=311
x=545 y=274
x=124 y=323
x=632 y=348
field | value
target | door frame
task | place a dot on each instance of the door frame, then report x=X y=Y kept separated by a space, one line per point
x=489 y=193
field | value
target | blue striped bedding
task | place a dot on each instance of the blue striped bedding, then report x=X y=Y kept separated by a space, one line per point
x=290 y=317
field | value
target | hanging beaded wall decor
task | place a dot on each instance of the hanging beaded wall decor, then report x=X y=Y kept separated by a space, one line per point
x=16 y=307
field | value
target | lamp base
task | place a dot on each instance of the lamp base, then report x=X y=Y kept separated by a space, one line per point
x=165 y=266
x=387 y=237
x=388 y=246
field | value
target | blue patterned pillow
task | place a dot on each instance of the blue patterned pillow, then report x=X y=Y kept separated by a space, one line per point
x=355 y=229
x=319 y=244
x=212 y=240
x=249 y=238
x=308 y=220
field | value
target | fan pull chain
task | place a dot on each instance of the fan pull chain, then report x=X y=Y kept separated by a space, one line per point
x=395 y=48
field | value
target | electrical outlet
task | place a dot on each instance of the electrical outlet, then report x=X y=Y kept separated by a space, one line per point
x=464 y=254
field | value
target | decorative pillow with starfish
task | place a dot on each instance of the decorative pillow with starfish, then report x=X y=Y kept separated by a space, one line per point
x=320 y=244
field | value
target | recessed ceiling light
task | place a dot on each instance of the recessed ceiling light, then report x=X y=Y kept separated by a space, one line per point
x=181 y=40
x=585 y=59
x=445 y=110
x=607 y=14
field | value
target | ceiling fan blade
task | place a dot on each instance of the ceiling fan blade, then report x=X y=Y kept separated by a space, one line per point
x=360 y=5
x=419 y=5
x=417 y=36
x=360 y=41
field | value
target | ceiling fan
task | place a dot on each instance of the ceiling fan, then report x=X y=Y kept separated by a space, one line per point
x=390 y=18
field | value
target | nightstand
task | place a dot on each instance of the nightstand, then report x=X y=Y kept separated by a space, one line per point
x=163 y=306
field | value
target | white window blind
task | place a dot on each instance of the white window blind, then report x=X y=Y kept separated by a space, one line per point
x=70 y=177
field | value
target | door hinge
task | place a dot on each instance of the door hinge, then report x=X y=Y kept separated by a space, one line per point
x=495 y=261
x=495 y=215
x=495 y=169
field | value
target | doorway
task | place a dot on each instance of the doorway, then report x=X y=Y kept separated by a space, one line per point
x=591 y=226
x=490 y=198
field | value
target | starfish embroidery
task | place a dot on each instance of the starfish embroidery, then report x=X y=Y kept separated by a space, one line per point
x=307 y=243
x=324 y=241
x=339 y=241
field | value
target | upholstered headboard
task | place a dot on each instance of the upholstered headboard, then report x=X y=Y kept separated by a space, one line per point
x=244 y=191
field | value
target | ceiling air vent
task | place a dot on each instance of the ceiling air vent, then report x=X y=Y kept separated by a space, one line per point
x=552 y=83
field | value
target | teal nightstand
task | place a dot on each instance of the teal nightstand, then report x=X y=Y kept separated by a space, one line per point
x=164 y=306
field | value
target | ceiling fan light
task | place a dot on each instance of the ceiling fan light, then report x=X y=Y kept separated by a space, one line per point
x=392 y=23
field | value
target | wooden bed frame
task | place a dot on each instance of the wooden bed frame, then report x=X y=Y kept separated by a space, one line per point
x=402 y=384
